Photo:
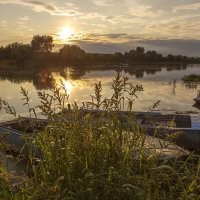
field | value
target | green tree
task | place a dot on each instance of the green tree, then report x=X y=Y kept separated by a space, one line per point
x=70 y=53
x=1 y=52
x=42 y=43
x=17 y=51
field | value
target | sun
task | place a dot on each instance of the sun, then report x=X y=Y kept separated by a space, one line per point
x=65 y=33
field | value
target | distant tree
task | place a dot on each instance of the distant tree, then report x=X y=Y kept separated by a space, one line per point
x=153 y=56
x=1 y=52
x=140 y=54
x=135 y=55
x=17 y=51
x=40 y=52
x=170 y=57
x=70 y=53
x=42 y=43
x=118 y=56
x=132 y=54
x=140 y=50
x=185 y=58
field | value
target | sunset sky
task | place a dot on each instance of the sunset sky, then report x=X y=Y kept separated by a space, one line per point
x=171 y=26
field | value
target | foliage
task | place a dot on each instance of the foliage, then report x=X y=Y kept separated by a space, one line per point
x=191 y=78
x=92 y=156
x=40 y=51
x=16 y=51
x=42 y=43
x=69 y=53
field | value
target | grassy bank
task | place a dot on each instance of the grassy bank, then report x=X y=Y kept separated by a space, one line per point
x=93 y=157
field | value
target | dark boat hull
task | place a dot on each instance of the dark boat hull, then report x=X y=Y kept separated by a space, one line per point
x=18 y=135
x=181 y=121
x=188 y=138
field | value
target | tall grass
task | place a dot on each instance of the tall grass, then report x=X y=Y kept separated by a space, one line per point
x=93 y=156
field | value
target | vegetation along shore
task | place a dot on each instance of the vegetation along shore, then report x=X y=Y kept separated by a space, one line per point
x=40 y=52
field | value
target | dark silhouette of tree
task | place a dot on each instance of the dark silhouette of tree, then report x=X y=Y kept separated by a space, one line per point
x=140 y=54
x=140 y=50
x=69 y=53
x=42 y=43
x=118 y=56
x=153 y=56
x=17 y=51
x=1 y=52
x=40 y=53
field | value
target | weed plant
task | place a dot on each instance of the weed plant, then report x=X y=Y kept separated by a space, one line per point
x=93 y=156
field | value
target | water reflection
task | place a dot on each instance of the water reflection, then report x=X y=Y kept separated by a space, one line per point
x=71 y=73
x=159 y=82
x=192 y=86
x=44 y=79
x=17 y=77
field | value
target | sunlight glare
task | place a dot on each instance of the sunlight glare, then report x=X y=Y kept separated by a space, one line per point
x=68 y=86
x=65 y=33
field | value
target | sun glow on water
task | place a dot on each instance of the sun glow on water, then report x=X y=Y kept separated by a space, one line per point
x=68 y=86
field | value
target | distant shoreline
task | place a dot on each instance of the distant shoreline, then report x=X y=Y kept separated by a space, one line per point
x=11 y=66
x=39 y=53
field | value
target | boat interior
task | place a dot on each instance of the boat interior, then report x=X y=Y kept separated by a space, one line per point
x=31 y=125
x=146 y=118
x=26 y=125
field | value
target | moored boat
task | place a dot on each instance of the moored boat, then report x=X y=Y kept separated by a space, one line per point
x=197 y=99
x=19 y=133
x=144 y=118
x=187 y=138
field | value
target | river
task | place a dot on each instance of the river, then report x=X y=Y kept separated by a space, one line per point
x=160 y=82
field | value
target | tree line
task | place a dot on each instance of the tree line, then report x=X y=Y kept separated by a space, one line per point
x=40 y=51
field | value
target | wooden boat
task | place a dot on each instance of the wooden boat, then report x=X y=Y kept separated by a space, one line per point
x=187 y=138
x=197 y=99
x=19 y=133
x=163 y=126
x=180 y=121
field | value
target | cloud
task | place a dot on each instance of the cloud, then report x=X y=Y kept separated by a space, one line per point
x=179 y=27
x=93 y=15
x=136 y=9
x=106 y=3
x=103 y=3
x=24 y=18
x=92 y=20
x=40 y=6
x=194 y=6
x=102 y=17
x=22 y=26
x=3 y=24
x=177 y=47
x=105 y=38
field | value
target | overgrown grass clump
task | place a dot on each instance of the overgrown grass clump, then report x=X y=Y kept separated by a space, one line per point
x=191 y=78
x=92 y=156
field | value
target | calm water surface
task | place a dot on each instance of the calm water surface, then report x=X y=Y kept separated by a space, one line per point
x=159 y=83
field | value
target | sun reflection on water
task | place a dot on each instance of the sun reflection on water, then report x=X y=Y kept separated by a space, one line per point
x=68 y=86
